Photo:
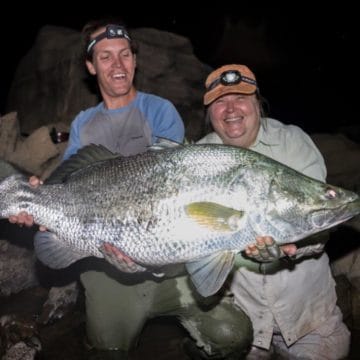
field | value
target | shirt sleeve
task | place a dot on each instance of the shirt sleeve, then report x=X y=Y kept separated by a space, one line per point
x=74 y=139
x=167 y=123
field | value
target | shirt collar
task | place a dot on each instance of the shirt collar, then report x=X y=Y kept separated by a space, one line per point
x=262 y=137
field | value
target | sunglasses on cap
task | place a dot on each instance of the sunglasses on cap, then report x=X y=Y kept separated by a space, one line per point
x=111 y=32
x=230 y=77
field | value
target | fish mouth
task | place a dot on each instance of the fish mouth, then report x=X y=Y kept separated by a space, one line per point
x=327 y=218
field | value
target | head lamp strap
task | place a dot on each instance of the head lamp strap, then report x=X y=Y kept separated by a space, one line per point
x=111 y=32
x=229 y=78
x=248 y=80
x=94 y=41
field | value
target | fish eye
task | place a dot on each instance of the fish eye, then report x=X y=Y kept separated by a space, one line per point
x=330 y=193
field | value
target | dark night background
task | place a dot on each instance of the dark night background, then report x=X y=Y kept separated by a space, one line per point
x=304 y=58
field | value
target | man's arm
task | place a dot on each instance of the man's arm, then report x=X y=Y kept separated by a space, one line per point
x=121 y=261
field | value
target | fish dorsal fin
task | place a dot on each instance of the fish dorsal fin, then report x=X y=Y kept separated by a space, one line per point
x=215 y=216
x=51 y=251
x=85 y=156
x=209 y=274
x=163 y=143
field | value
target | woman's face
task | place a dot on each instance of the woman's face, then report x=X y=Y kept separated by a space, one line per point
x=236 y=118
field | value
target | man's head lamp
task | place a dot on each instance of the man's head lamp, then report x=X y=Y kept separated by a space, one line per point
x=111 y=32
x=230 y=77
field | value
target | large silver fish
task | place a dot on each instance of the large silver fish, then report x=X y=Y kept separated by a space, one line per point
x=193 y=204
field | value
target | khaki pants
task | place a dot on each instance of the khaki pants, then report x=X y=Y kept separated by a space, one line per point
x=117 y=309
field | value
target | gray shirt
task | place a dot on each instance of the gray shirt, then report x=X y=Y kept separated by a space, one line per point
x=126 y=133
x=295 y=300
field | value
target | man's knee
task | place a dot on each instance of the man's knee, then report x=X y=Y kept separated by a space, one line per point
x=230 y=329
x=113 y=321
x=223 y=330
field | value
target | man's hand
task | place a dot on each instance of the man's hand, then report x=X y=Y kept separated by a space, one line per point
x=23 y=218
x=121 y=261
x=266 y=250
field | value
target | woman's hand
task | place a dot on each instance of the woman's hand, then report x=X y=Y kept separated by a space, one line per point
x=265 y=249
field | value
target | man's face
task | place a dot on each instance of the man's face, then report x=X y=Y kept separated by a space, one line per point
x=114 y=65
x=236 y=118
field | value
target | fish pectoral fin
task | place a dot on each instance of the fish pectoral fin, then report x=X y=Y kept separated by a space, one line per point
x=209 y=274
x=52 y=251
x=215 y=216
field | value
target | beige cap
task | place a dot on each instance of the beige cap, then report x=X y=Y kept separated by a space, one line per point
x=229 y=79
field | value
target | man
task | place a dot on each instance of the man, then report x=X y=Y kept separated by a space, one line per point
x=293 y=309
x=118 y=305
x=127 y=121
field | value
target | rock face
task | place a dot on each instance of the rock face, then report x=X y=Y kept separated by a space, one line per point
x=17 y=268
x=51 y=84
x=36 y=154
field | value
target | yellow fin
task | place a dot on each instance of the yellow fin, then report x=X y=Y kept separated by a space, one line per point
x=215 y=216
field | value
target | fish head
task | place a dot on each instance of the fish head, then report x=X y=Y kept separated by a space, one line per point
x=340 y=205
x=300 y=206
